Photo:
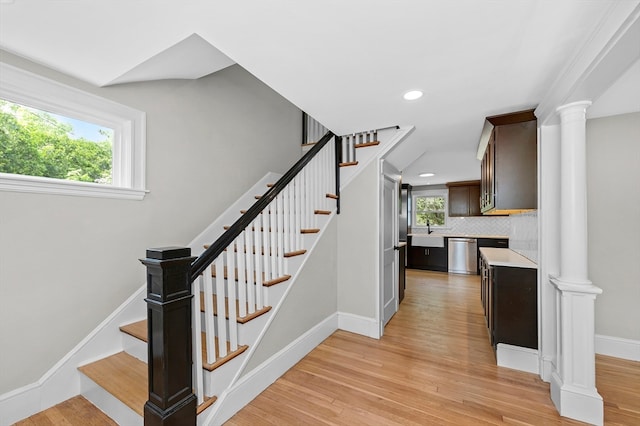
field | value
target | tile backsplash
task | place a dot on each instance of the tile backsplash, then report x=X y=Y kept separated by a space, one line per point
x=479 y=225
x=484 y=225
x=523 y=236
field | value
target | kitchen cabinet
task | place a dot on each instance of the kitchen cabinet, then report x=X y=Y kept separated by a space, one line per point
x=402 y=259
x=429 y=258
x=509 y=299
x=464 y=198
x=508 y=170
x=490 y=242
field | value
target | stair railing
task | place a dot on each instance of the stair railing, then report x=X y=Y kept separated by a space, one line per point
x=229 y=281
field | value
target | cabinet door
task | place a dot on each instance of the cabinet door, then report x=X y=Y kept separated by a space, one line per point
x=474 y=200
x=515 y=307
x=437 y=258
x=416 y=257
x=458 y=201
x=488 y=175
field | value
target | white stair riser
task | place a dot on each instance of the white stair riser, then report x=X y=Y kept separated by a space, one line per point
x=135 y=347
x=113 y=407
x=217 y=381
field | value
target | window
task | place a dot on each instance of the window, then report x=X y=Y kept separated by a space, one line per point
x=68 y=162
x=430 y=209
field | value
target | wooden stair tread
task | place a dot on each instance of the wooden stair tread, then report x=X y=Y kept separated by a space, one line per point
x=366 y=144
x=348 y=163
x=332 y=196
x=239 y=319
x=324 y=212
x=265 y=282
x=136 y=329
x=219 y=361
x=210 y=367
x=76 y=411
x=123 y=376
x=310 y=231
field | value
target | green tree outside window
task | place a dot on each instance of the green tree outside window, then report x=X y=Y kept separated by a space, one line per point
x=35 y=143
x=430 y=209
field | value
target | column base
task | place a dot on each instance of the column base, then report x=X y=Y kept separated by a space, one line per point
x=585 y=405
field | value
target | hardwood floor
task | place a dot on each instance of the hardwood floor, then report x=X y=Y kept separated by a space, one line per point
x=76 y=411
x=433 y=366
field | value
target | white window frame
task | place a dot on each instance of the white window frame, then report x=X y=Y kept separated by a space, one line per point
x=430 y=193
x=129 y=140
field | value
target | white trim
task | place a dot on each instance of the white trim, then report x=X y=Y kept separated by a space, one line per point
x=43 y=185
x=618 y=347
x=358 y=324
x=258 y=379
x=517 y=358
x=129 y=125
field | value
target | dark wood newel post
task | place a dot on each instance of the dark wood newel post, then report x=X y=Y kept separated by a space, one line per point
x=171 y=399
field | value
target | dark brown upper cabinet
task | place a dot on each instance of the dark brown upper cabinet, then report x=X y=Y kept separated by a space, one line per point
x=464 y=198
x=509 y=164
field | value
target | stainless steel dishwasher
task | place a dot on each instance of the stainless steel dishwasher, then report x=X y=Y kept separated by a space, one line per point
x=463 y=256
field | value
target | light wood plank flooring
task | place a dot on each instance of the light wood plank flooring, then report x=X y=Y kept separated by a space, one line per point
x=76 y=411
x=434 y=366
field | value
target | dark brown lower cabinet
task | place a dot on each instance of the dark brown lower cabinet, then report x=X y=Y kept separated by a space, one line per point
x=510 y=301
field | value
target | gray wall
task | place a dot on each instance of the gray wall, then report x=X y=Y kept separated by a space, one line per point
x=358 y=244
x=613 y=179
x=310 y=301
x=67 y=262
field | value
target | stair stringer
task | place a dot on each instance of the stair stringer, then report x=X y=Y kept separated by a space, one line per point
x=63 y=380
x=313 y=264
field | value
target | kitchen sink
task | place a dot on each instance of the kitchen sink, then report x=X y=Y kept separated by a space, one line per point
x=427 y=240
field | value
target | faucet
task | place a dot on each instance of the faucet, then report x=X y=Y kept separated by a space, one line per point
x=429 y=228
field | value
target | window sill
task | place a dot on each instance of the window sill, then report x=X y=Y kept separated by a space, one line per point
x=42 y=185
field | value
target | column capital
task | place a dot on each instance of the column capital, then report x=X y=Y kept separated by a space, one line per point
x=573 y=107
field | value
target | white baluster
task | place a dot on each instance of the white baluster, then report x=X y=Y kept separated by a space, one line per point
x=258 y=256
x=209 y=319
x=266 y=244
x=231 y=292
x=273 y=240
x=220 y=294
x=280 y=233
x=198 y=380
x=298 y=209
x=242 y=277
x=286 y=230
x=250 y=248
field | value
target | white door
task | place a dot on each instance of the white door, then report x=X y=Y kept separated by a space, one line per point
x=389 y=246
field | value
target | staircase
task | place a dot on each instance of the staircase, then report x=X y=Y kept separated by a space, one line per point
x=238 y=283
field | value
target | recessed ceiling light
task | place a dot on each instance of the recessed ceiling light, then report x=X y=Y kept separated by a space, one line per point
x=412 y=95
x=427 y=174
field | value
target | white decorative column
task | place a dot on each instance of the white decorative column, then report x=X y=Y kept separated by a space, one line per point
x=573 y=384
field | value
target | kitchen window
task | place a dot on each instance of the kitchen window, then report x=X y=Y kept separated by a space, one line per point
x=430 y=209
x=62 y=110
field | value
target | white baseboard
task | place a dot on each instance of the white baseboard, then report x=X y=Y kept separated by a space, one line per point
x=358 y=324
x=518 y=358
x=618 y=347
x=254 y=382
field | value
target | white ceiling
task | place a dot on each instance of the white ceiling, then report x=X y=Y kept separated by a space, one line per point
x=347 y=63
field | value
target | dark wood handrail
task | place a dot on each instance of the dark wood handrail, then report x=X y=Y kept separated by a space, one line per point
x=215 y=249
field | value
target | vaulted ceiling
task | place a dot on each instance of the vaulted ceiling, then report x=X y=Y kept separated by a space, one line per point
x=347 y=63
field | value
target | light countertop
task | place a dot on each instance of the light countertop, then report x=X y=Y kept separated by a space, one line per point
x=444 y=234
x=506 y=257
